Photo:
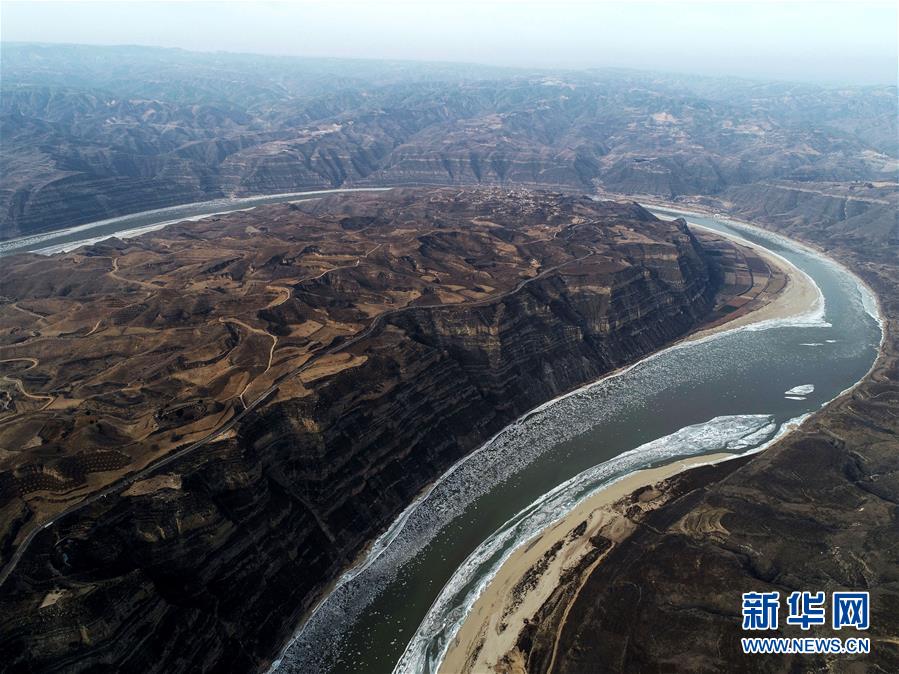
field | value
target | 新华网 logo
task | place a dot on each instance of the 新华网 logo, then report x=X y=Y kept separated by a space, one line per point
x=761 y=612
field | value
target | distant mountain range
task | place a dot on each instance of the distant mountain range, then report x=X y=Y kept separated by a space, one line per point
x=94 y=132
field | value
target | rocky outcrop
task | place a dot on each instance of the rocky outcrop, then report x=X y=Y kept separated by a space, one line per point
x=210 y=563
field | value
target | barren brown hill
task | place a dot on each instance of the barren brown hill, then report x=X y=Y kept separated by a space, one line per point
x=117 y=354
x=209 y=413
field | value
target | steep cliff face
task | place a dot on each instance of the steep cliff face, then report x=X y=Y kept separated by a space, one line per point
x=210 y=562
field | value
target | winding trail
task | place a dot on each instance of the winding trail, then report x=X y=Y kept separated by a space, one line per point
x=15 y=305
x=34 y=361
x=18 y=383
x=95 y=328
x=21 y=386
x=284 y=294
x=114 y=273
x=271 y=352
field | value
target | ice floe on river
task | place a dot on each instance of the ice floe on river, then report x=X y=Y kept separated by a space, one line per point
x=801 y=390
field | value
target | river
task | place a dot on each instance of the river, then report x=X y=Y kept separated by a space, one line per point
x=129 y=226
x=397 y=611
x=736 y=391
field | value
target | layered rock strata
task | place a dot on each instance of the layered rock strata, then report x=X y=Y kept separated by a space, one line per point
x=474 y=308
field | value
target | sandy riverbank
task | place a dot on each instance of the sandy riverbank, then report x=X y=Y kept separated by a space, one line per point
x=800 y=296
x=525 y=581
x=491 y=628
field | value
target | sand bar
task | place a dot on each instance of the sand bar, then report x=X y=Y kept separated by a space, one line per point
x=491 y=628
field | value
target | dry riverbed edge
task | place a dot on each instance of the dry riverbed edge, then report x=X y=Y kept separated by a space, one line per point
x=486 y=640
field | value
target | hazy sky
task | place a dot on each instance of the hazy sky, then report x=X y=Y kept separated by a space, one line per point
x=831 y=42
